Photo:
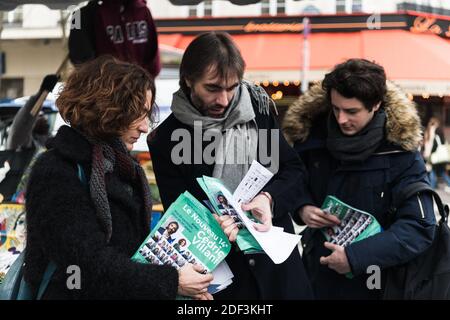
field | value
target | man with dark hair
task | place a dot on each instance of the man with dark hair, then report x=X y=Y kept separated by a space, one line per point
x=215 y=105
x=358 y=137
x=169 y=230
x=360 y=79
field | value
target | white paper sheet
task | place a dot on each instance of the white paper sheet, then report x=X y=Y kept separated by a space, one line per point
x=223 y=277
x=276 y=243
x=255 y=179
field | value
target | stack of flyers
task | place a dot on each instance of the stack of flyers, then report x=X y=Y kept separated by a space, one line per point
x=223 y=277
x=188 y=233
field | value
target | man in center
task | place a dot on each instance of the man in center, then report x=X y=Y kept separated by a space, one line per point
x=213 y=98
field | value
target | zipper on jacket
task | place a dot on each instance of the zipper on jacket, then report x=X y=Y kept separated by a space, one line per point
x=421 y=207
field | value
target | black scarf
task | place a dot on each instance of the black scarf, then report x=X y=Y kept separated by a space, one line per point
x=359 y=147
x=111 y=157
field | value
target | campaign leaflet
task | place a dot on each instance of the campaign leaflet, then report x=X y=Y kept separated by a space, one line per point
x=187 y=233
x=215 y=192
x=355 y=224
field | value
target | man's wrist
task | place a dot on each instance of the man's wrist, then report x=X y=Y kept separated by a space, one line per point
x=267 y=195
x=300 y=212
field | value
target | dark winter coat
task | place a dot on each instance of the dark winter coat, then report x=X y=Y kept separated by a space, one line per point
x=255 y=275
x=62 y=227
x=370 y=186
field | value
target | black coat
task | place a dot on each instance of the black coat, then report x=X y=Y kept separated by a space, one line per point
x=62 y=227
x=255 y=275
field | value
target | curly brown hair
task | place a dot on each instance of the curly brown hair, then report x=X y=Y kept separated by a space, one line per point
x=103 y=97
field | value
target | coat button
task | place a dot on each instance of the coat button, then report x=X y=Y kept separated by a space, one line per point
x=251 y=262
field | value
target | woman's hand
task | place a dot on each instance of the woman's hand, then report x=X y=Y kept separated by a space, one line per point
x=205 y=296
x=315 y=217
x=192 y=283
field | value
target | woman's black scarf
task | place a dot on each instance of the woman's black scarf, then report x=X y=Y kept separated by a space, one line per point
x=359 y=147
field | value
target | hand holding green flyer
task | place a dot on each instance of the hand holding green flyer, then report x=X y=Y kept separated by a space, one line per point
x=214 y=190
x=189 y=233
x=274 y=242
x=355 y=224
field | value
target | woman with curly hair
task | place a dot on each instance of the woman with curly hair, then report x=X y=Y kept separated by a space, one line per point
x=98 y=222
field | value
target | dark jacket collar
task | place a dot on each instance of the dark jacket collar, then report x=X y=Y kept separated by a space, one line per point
x=71 y=145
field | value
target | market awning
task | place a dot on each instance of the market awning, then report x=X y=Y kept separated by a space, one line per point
x=417 y=62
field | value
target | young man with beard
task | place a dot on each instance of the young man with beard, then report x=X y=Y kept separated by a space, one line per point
x=213 y=99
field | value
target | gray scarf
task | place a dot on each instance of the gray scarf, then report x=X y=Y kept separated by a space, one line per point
x=237 y=130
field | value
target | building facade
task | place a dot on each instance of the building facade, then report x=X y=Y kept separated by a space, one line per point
x=221 y=8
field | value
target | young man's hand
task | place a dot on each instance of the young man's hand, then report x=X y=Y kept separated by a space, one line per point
x=337 y=260
x=315 y=217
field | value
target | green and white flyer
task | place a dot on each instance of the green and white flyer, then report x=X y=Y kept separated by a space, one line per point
x=274 y=242
x=355 y=224
x=215 y=192
x=187 y=233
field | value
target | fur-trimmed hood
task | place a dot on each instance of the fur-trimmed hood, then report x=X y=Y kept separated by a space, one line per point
x=403 y=126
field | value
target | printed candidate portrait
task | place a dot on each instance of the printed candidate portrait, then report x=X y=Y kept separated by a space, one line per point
x=145 y=250
x=170 y=230
x=151 y=258
x=187 y=255
x=181 y=245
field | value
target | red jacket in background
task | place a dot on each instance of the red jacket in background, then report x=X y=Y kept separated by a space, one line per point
x=122 y=28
